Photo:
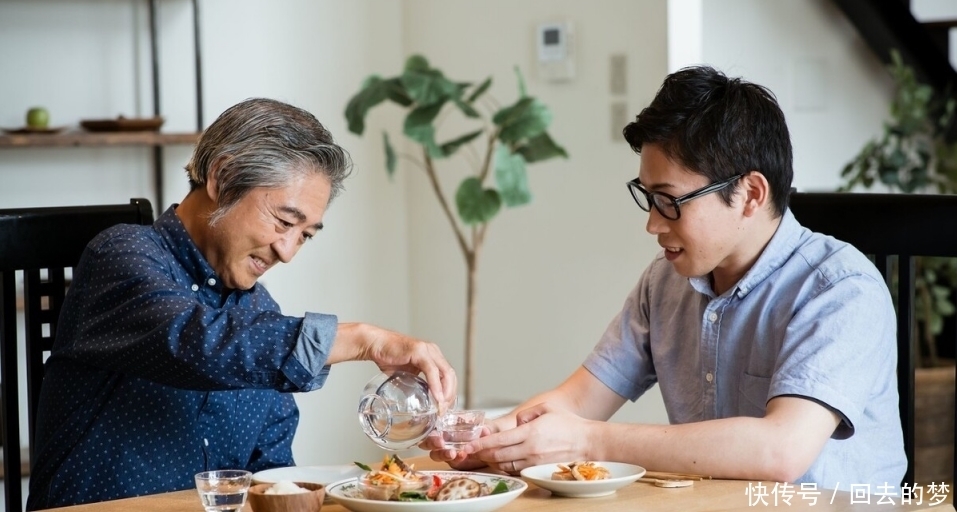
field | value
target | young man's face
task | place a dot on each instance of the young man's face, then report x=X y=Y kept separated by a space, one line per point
x=267 y=226
x=707 y=234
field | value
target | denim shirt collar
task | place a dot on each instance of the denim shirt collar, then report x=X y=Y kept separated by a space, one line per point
x=182 y=247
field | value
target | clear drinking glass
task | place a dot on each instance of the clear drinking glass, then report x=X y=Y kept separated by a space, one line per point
x=458 y=428
x=223 y=490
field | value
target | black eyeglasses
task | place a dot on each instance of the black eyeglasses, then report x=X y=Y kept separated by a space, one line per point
x=667 y=204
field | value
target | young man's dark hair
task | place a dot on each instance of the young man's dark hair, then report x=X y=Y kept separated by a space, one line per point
x=719 y=127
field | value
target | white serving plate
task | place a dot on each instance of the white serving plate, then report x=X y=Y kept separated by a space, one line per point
x=347 y=494
x=621 y=475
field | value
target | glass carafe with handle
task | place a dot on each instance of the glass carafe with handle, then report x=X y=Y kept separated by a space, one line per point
x=397 y=411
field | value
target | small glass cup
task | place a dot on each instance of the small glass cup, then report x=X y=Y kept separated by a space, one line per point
x=458 y=428
x=223 y=490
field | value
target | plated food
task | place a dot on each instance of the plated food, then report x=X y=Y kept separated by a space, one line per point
x=448 y=491
x=397 y=481
x=618 y=475
x=394 y=481
x=581 y=471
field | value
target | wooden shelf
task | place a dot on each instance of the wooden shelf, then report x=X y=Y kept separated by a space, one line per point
x=75 y=136
x=80 y=138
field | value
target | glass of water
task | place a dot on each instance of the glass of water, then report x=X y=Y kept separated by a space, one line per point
x=458 y=427
x=223 y=490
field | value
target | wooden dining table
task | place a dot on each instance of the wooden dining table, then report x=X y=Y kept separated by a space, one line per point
x=703 y=496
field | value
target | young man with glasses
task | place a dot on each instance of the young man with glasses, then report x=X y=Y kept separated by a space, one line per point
x=774 y=347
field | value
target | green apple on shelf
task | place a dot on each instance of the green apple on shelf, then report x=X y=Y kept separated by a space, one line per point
x=38 y=118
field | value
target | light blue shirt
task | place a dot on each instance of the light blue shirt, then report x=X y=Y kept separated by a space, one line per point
x=812 y=318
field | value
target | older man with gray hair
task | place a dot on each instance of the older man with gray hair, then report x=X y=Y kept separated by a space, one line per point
x=171 y=359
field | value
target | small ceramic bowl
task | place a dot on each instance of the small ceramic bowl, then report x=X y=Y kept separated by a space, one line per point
x=300 y=502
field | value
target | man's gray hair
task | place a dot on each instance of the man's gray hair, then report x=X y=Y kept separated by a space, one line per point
x=265 y=143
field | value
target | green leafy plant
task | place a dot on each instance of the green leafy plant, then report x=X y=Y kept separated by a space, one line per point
x=503 y=141
x=913 y=155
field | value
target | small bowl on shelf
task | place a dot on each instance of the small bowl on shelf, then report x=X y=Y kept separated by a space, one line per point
x=123 y=124
x=276 y=498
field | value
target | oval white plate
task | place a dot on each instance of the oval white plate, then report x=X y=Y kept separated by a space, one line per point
x=324 y=475
x=346 y=494
x=621 y=475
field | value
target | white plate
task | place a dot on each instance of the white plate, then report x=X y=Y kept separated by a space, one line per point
x=347 y=494
x=324 y=475
x=621 y=475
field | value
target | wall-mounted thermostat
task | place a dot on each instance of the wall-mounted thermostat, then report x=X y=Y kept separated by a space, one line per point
x=556 y=43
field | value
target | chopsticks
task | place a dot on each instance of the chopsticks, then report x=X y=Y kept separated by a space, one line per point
x=668 y=482
x=664 y=475
x=666 y=479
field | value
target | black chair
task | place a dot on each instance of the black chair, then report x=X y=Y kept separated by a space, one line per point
x=42 y=243
x=885 y=226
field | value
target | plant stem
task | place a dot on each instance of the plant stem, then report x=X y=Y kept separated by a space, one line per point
x=471 y=255
x=434 y=180
x=471 y=264
x=489 y=151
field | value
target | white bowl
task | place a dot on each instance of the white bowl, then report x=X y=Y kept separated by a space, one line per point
x=621 y=475
x=314 y=474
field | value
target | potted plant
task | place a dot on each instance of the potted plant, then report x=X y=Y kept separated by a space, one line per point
x=914 y=155
x=503 y=141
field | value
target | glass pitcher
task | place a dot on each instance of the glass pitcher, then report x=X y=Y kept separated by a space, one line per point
x=397 y=411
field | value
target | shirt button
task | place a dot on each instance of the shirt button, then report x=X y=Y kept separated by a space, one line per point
x=212 y=282
x=713 y=317
x=195 y=287
x=709 y=377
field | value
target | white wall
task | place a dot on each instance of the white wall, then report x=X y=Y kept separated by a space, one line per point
x=553 y=273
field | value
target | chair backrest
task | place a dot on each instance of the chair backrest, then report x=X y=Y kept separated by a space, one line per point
x=42 y=244
x=889 y=227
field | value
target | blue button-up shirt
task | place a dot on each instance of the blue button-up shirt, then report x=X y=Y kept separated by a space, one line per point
x=812 y=318
x=158 y=372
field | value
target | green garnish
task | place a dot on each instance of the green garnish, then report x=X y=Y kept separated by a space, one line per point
x=413 y=496
x=500 y=487
x=362 y=466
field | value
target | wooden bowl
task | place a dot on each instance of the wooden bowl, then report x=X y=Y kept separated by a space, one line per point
x=302 y=502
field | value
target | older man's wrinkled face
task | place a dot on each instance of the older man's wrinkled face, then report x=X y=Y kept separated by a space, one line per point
x=266 y=226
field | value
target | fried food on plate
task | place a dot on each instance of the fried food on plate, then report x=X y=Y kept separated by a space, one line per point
x=581 y=471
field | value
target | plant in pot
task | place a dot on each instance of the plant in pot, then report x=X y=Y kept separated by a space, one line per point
x=502 y=142
x=914 y=155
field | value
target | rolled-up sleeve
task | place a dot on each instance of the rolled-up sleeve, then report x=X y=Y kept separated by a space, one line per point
x=307 y=367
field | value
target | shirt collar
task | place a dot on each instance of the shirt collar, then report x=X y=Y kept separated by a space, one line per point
x=181 y=245
x=785 y=240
